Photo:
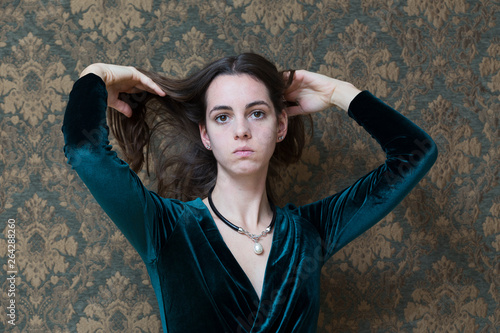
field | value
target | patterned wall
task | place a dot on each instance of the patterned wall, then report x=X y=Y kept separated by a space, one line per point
x=432 y=265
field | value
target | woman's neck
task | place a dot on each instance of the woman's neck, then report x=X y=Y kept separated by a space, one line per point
x=244 y=202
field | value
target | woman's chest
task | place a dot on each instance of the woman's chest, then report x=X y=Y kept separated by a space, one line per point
x=227 y=276
x=242 y=249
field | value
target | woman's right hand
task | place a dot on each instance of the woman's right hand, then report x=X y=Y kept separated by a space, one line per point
x=122 y=79
x=315 y=92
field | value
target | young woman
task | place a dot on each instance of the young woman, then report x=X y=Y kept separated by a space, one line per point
x=225 y=258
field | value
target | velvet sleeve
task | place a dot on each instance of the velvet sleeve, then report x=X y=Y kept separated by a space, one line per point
x=410 y=153
x=141 y=215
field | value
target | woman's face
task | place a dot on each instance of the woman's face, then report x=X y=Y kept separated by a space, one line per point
x=241 y=125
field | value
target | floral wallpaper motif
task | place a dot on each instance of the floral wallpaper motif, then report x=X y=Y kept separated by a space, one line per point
x=110 y=18
x=433 y=264
x=361 y=60
x=118 y=308
x=35 y=84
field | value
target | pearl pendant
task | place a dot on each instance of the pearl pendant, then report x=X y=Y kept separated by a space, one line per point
x=257 y=248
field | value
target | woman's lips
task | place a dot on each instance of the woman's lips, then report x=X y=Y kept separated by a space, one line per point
x=243 y=152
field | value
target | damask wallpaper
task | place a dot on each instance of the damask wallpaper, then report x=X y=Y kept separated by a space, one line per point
x=432 y=265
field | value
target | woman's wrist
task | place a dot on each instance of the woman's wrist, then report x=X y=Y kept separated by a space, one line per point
x=343 y=95
x=94 y=69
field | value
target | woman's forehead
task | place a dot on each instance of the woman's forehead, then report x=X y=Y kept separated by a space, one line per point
x=236 y=87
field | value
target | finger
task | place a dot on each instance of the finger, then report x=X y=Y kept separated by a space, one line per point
x=294 y=109
x=122 y=107
x=149 y=85
x=138 y=88
x=286 y=77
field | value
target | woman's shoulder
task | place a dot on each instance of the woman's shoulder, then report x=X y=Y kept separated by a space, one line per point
x=290 y=210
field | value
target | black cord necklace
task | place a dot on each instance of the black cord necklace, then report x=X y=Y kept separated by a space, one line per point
x=257 y=248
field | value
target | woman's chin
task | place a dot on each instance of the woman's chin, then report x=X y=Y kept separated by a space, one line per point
x=248 y=169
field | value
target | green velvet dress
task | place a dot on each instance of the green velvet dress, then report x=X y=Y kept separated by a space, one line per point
x=199 y=285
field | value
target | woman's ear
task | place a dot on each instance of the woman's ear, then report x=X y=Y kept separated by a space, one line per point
x=282 y=125
x=204 y=136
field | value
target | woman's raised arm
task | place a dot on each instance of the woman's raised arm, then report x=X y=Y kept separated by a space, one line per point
x=410 y=153
x=143 y=217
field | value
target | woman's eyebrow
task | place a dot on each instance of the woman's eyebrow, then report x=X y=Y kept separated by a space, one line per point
x=249 y=105
x=220 y=107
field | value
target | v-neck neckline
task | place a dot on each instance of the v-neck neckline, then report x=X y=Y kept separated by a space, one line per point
x=229 y=260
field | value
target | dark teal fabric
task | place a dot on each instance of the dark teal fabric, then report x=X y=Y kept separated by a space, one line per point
x=199 y=285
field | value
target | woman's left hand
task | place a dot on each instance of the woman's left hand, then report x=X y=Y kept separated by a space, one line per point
x=120 y=79
x=316 y=92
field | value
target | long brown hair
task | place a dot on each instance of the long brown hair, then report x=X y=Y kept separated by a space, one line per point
x=166 y=130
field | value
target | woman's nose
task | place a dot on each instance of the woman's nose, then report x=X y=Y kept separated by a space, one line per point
x=242 y=130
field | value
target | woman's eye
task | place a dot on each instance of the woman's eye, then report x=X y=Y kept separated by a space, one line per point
x=221 y=118
x=258 y=114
